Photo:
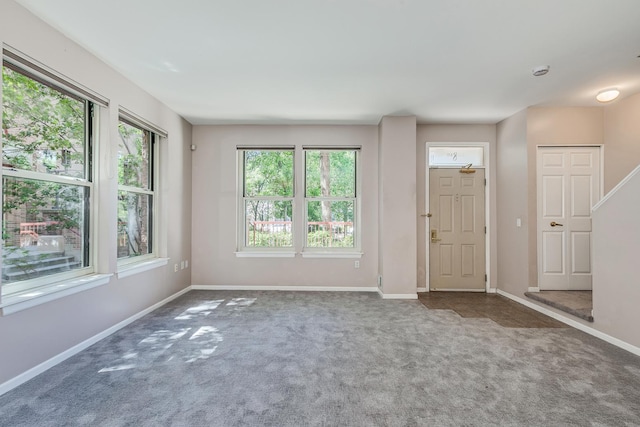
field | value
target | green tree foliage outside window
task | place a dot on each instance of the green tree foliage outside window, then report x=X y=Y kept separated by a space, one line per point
x=268 y=192
x=44 y=214
x=331 y=197
x=135 y=195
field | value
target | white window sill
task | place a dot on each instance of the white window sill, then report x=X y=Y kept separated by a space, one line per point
x=336 y=254
x=31 y=298
x=127 y=270
x=265 y=254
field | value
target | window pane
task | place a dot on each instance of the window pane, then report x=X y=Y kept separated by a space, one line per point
x=268 y=223
x=43 y=128
x=43 y=226
x=134 y=156
x=134 y=224
x=330 y=224
x=456 y=156
x=330 y=173
x=268 y=173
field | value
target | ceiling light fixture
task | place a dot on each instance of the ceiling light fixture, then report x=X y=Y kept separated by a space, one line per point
x=607 y=95
x=541 y=70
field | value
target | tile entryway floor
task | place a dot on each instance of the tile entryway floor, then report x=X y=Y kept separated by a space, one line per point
x=501 y=310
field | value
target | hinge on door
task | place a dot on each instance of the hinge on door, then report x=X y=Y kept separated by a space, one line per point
x=485 y=277
x=485 y=229
x=485 y=182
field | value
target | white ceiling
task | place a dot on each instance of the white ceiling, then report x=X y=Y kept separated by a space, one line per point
x=354 y=61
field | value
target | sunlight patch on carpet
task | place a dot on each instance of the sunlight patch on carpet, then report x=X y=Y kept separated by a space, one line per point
x=202 y=310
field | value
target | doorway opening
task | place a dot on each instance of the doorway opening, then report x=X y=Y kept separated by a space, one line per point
x=569 y=184
x=457 y=243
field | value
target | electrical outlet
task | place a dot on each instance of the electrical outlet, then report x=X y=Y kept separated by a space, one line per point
x=175 y=268
x=181 y=265
x=186 y=263
x=357 y=264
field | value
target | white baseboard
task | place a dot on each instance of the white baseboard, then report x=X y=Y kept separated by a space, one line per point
x=397 y=296
x=421 y=290
x=284 y=288
x=584 y=328
x=492 y=290
x=533 y=289
x=47 y=364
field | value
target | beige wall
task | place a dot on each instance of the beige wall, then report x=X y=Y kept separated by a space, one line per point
x=34 y=335
x=616 y=288
x=513 y=243
x=616 y=228
x=460 y=134
x=214 y=209
x=615 y=225
x=397 y=176
x=622 y=139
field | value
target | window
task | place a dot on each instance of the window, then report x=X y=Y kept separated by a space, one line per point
x=46 y=181
x=136 y=198
x=456 y=156
x=267 y=198
x=331 y=198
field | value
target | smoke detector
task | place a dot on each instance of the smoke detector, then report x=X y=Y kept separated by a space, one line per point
x=540 y=70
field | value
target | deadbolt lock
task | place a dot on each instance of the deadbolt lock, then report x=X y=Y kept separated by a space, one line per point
x=434 y=236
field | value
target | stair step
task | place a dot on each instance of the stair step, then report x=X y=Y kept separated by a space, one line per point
x=29 y=264
x=35 y=272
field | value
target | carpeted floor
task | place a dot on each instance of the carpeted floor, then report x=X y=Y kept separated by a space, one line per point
x=330 y=359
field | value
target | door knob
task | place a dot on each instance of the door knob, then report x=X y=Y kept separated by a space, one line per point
x=434 y=236
x=555 y=224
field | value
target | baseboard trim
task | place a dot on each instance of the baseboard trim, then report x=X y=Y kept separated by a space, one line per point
x=47 y=364
x=533 y=289
x=421 y=290
x=284 y=288
x=584 y=328
x=397 y=296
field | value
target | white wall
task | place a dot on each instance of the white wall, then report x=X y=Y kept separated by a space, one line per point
x=460 y=134
x=214 y=209
x=34 y=335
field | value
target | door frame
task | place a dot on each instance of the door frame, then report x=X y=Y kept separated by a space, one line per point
x=537 y=213
x=487 y=206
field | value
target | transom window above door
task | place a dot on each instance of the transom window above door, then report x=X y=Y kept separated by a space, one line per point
x=456 y=156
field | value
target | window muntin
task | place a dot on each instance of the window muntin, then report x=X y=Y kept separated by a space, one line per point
x=46 y=186
x=331 y=198
x=135 y=191
x=267 y=180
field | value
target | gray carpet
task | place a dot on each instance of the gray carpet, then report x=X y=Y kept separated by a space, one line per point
x=329 y=359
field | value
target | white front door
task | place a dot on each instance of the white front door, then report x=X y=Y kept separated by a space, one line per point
x=568 y=187
x=456 y=230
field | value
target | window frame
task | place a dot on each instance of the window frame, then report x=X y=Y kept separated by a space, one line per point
x=242 y=249
x=355 y=250
x=32 y=288
x=154 y=142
